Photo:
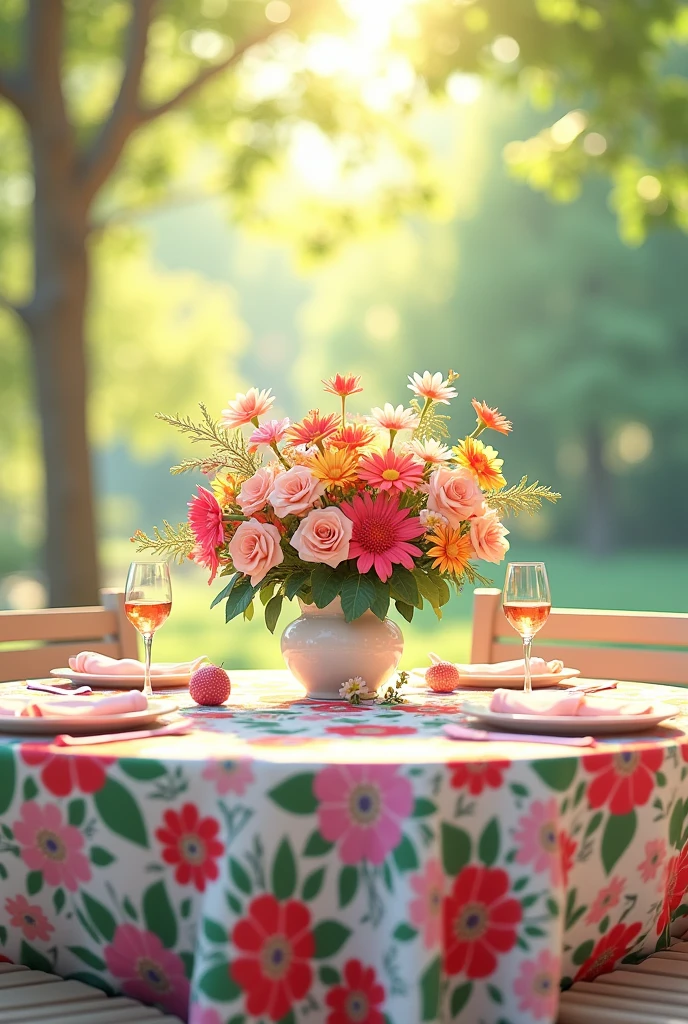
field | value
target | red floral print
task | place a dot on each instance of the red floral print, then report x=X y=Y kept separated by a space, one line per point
x=274 y=947
x=371 y=730
x=478 y=775
x=623 y=780
x=356 y=1001
x=567 y=848
x=29 y=918
x=610 y=949
x=479 y=921
x=191 y=843
x=675 y=885
x=62 y=773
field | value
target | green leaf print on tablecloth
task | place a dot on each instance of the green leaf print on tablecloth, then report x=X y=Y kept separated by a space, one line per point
x=7 y=778
x=296 y=794
x=120 y=812
x=159 y=915
x=617 y=837
x=557 y=773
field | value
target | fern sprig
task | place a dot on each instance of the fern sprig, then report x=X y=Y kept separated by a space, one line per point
x=432 y=424
x=522 y=497
x=229 y=448
x=209 y=465
x=175 y=542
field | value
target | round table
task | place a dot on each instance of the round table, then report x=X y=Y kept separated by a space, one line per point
x=297 y=861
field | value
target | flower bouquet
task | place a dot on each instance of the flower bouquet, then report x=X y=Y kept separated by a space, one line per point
x=345 y=512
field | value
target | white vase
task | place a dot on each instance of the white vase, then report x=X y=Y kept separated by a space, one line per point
x=322 y=650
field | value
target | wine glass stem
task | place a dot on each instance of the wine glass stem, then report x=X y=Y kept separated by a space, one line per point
x=147 y=645
x=527 y=682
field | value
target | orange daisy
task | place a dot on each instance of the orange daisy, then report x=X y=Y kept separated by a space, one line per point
x=353 y=435
x=451 y=551
x=312 y=428
x=491 y=418
x=484 y=462
x=335 y=467
x=343 y=384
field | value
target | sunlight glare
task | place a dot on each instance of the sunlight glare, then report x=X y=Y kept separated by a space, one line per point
x=375 y=19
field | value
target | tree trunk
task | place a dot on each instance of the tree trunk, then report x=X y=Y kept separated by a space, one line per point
x=598 y=526
x=55 y=319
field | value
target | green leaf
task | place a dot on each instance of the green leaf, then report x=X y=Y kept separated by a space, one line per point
x=101 y=857
x=120 y=812
x=187 y=959
x=238 y=1018
x=89 y=958
x=520 y=883
x=159 y=915
x=240 y=876
x=581 y=954
x=460 y=997
x=517 y=789
x=675 y=823
x=316 y=845
x=444 y=591
x=295 y=582
x=488 y=846
x=226 y=591
x=557 y=773
x=380 y=604
x=403 y=586
x=617 y=837
x=92 y=980
x=185 y=908
x=239 y=599
x=553 y=907
x=404 y=855
x=130 y=909
x=348 y=884
x=594 y=823
x=404 y=932
x=329 y=976
x=296 y=794
x=495 y=994
x=267 y=591
x=100 y=916
x=427 y=587
x=456 y=848
x=405 y=610
x=34 y=882
x=273 y=610
x=580 y=790
x=30 y=957
x=430 y=991
x=7 y=778
x=313 y=884
x=30 y=789
x=284 y=871
x=233 y=904
x=529 y=900
x=216 y=983
x=329 y=938
x=59 y=899
x=423 y=807
x=76 y=812
x=326 y=584
x=213 y=931
x=249 y=611
x=143 y=770
x=604 y=924
x=357 y=595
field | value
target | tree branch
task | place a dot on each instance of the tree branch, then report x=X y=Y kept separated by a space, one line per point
x=13 y=89
x=100 y=160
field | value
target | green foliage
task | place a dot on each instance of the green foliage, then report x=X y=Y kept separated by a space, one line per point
x=175 y=542
x=228 y=447
x=522 y=497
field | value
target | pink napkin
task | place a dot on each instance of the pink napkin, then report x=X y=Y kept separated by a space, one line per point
x=538 y=667
x=118 y=704
x=464 y=732
x=100 y=664
x=173 y=729
x=546 y=703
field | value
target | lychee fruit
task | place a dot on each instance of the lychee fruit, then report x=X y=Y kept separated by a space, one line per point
x=442 y=676
x=210 y=685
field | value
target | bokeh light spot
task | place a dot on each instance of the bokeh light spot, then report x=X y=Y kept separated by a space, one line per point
x=649 y=188
x=594 y=144
x=464 y=89
x=277 y=11
x=505 y=49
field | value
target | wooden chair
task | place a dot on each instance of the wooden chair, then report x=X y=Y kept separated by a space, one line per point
x=647 y=647
x=62 y=633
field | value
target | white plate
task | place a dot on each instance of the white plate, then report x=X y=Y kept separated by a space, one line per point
x=493 y=682
x=83 y=725
x=570 y=725
x=112 y=682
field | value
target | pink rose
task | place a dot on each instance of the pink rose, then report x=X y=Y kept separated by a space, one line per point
x=253 y=496
x=454 y=493
x=255 y=549
x=324 y=536
x=488 y=538
x=295 y=491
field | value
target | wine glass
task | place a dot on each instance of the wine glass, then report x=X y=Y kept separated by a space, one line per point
x=527 y=603
x=147 y=603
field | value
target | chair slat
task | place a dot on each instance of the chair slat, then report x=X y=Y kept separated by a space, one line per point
x=11 y=968
x=58 y=993
x=18 y=979
x=94 y=1011
x=36 y=663
x=579 y=1006
x=628 y=978
x=49 y=624
x=639 y=665
x=658 y=966
x=644 y=990
x=656 y=629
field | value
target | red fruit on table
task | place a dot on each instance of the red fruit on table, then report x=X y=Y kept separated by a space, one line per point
x=443 y=677
x=210 y=685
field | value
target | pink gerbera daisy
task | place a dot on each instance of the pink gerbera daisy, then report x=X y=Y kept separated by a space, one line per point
x=247 y=408
x=432 y=386
x=395 y=419
x=312 y=428
x=389 y=471
x=205 y=520
x=381 y=533
x=268 y=434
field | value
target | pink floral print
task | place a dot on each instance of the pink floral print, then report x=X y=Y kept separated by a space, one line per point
x=606 y=898
x=29 y=918
x=149 y=972
x=655 y=855
x=425 y=911
x=537 y=987
x=229 y=776
x=537 y=839
x=51 y=846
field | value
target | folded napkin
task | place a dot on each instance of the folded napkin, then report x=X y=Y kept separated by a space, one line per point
x=547 y=703
x=118 y=704
x=538 y=667
x=100 y=664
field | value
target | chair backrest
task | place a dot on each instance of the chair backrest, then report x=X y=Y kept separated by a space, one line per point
x=647 y=647
x=52 y=635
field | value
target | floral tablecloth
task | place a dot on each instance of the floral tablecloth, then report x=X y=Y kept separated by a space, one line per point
x=304 y=863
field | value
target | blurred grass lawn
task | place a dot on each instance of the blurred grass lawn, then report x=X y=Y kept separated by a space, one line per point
x=637 y=580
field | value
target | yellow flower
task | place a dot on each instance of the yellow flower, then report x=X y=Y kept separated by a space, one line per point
x=335 y=467
x=450 y=550
x=225 y=488
x=484 y=462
